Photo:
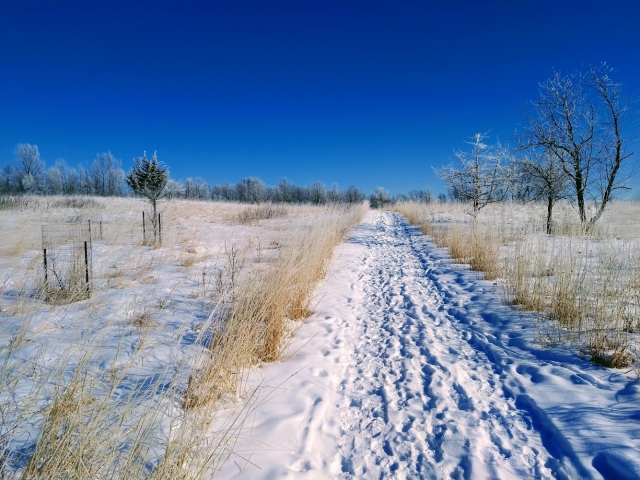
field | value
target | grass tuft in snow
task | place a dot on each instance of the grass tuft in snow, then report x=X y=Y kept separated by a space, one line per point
x=264 y=211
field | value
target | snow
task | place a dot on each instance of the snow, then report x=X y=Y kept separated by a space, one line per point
x=413 y=367
x=148 y=365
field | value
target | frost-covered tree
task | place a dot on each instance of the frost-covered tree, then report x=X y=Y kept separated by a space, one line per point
x=353 y=195
x=148 y=178
x=54 y=181
x=8 y=182
x=85 y=181
x=379 y=198
x=68 y=177
x=285 y=191
x=224 y=192
x=107 y=175
x=482 y=176
x=580 y=119
x=317 y=193
x=29 y=167
x=334 y=195
x=174 y=189
x=422 y=196
x=196 y=189
x=250 y=190
x=115 y=180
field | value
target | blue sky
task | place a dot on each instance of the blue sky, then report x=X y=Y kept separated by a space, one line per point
x=363 y=93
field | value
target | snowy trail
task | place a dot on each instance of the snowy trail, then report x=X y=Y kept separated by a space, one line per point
x=417 y=392
x=411 y=368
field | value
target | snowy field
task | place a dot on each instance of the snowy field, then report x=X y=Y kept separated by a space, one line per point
x=97 y=387
x=410 y=366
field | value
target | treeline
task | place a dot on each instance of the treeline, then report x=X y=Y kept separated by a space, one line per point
x=254 y=190
x=105 y=177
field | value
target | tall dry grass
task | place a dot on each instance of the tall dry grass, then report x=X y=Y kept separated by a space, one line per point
x=257 y=324
x=468 y=242
x=264 y=211
x=584 y=288
x=130 y=382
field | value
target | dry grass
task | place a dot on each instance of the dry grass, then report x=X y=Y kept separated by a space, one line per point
x=263 y=211
x=467 y=242
x=256 y=326
x=129 y=383
x=584 y=288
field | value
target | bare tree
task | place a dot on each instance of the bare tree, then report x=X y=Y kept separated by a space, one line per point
x=99 y=173
x=422 y=196
x=482 y=177
x=317 y=193
x=107 y=175
x=543 y=175
x=54 y=181
x=85 y=181
x=68 y=177
x=174 y=189
x=250 y=190
x=29 y=167
x=224 y=192
x=284 y=191
x=115 y=180
x=334 y=195
x=353 y=195
x=7 y=179
x=579 y=119
x=379 y=198
x=148 y=178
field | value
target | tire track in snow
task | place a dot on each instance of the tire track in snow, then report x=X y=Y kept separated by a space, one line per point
x=422 y=398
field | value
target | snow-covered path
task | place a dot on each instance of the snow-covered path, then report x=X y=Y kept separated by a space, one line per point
x=417 y=392
x=411 y=368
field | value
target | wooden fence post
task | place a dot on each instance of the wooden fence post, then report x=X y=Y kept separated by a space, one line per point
x=86 y=263
x=45 y=266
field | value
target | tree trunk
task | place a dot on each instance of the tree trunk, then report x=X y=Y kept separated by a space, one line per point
x=549 y=213
x=154 y=222
x=580 y=194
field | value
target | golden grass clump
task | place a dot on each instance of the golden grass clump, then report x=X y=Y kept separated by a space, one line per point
x=264 y=211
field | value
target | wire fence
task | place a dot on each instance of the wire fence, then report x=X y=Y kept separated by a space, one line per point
x=67 y=254
x=136 y=233
x=67 y=260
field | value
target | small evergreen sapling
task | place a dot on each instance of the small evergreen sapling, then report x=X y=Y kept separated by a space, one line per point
x=148 y=178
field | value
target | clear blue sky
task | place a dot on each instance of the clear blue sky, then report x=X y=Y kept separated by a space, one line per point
x=355 y=92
